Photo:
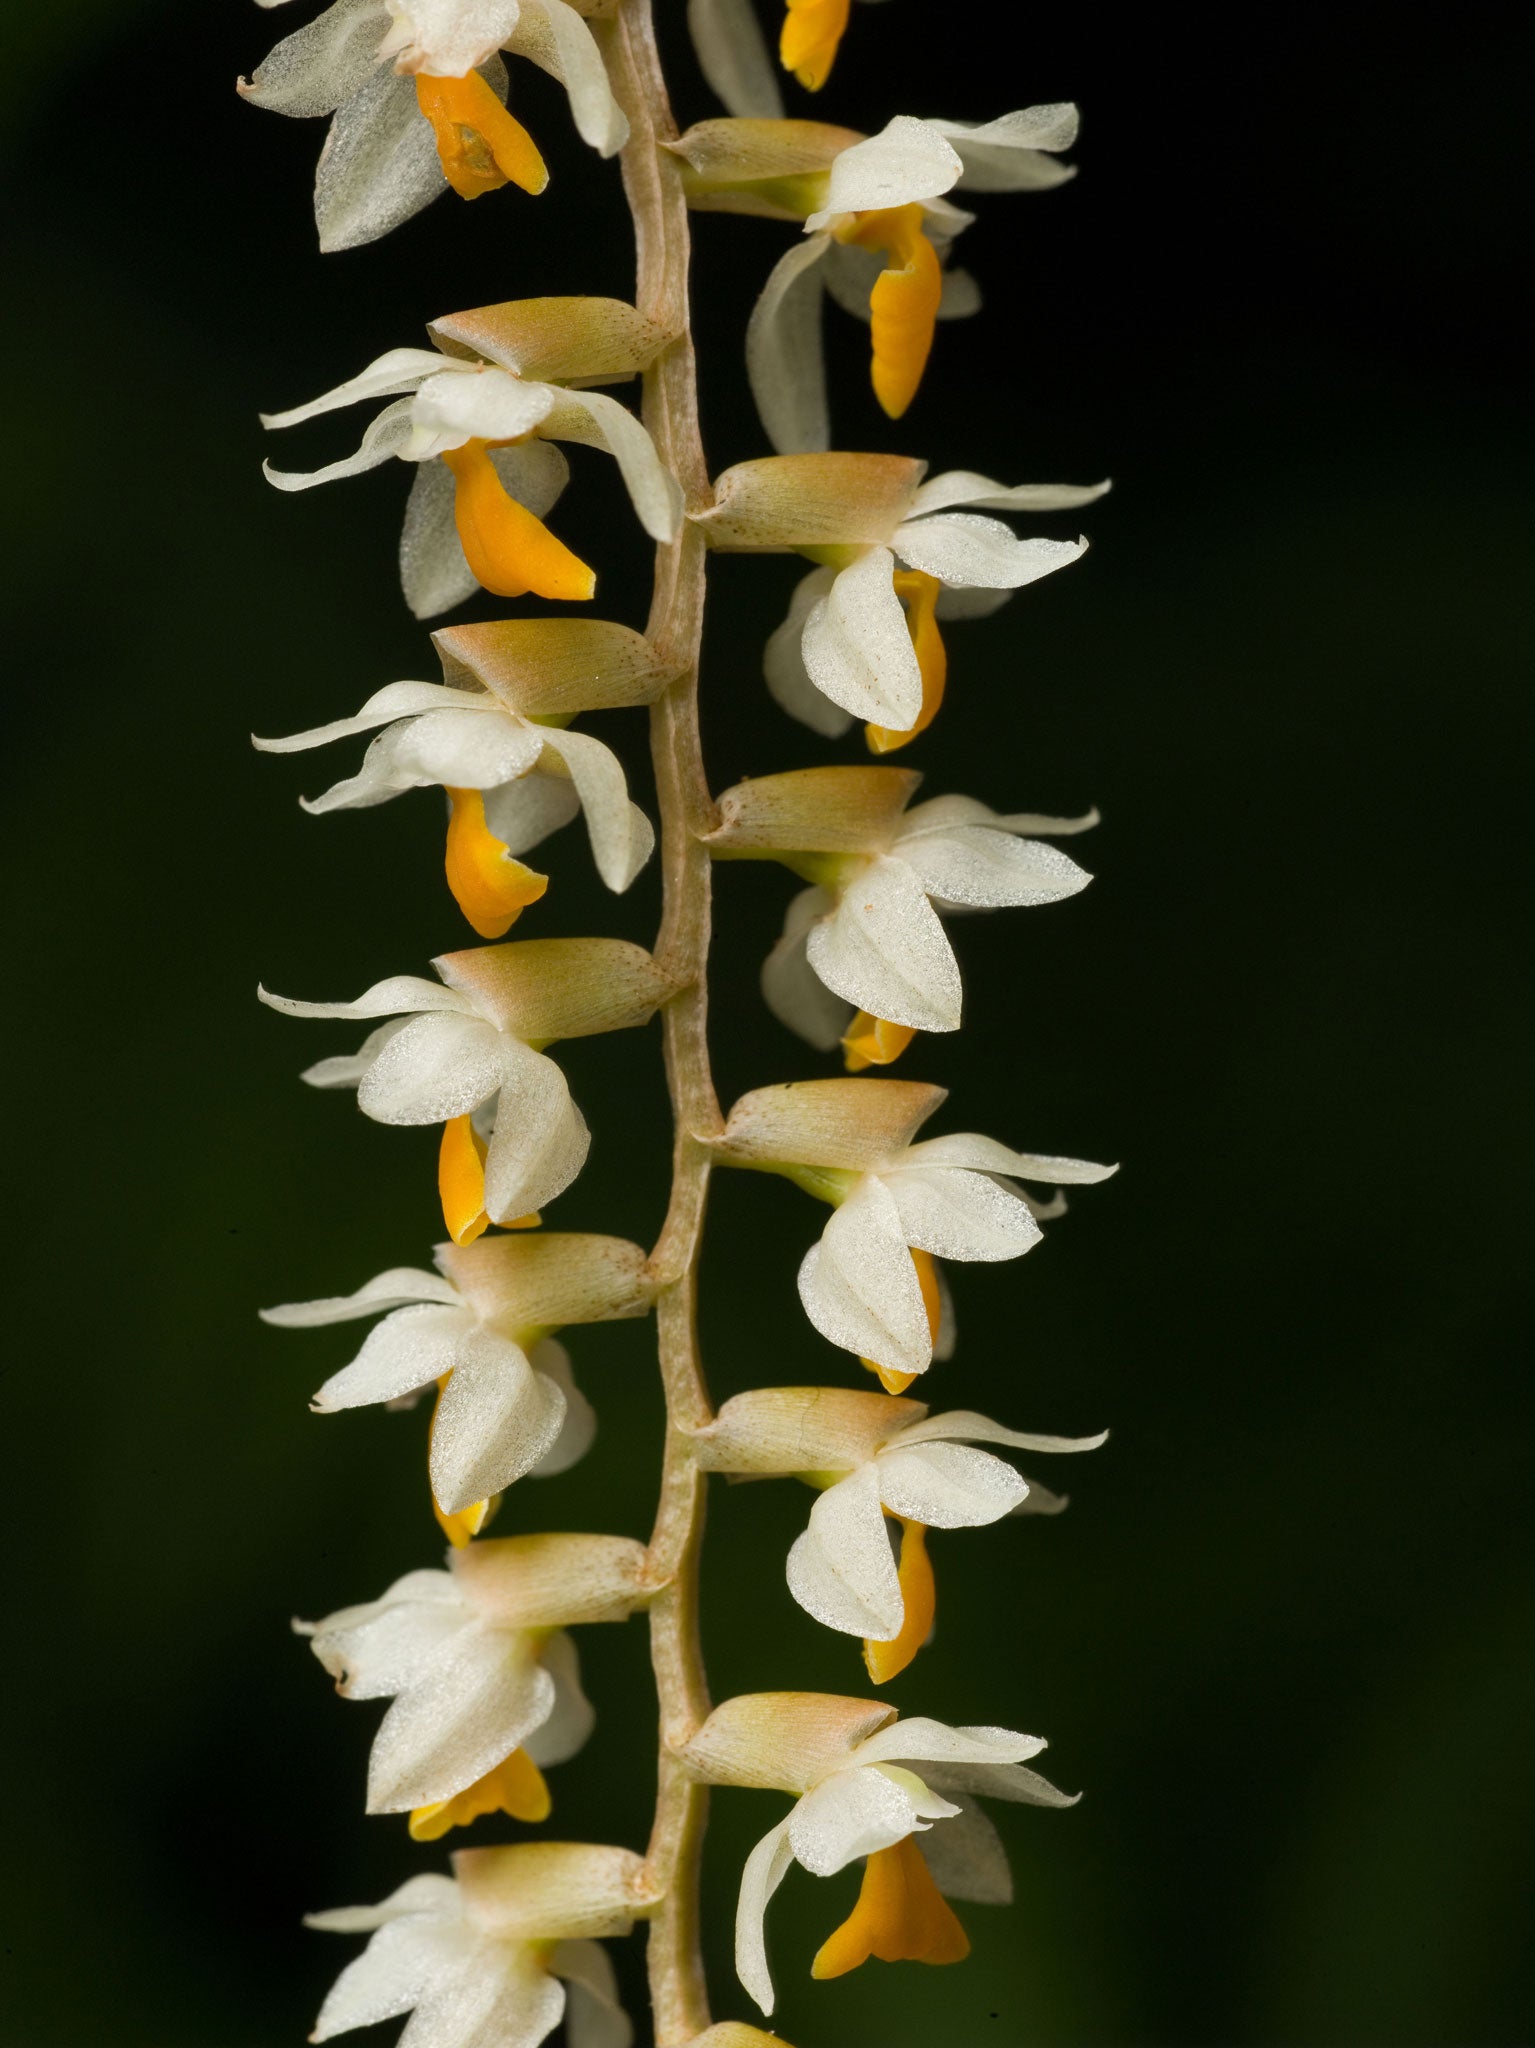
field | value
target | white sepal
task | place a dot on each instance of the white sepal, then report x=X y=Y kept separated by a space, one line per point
x=908 y=160
x=783 y=350
x=857 y=649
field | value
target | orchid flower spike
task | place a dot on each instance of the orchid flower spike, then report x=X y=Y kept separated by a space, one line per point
x=848 y=1763
x=481 y=1329
x=417 y=93
x=466 y=1052
x=492 y=734
x=877 y=236
x=870 y=1284
x=865 y=937
x=501 y=1951
x=486 y=1687
x=478 y=419
x=872 y=1457
x=862 y=637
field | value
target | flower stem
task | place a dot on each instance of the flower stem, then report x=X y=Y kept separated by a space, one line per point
x=653 y=184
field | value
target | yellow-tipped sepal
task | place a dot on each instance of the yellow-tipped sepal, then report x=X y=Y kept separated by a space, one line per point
x=516 y=1786
x=480 y=146
x=901 y=1917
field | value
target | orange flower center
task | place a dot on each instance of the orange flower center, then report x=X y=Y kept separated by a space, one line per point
x=491 y=888
x=811 y=32
x=510 y=551
x=516 y=1786
x=479 y=145
x=901 y=1917
x=885 y=1661
x=919 y=593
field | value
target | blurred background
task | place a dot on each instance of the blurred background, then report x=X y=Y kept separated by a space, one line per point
x=1282 y=1637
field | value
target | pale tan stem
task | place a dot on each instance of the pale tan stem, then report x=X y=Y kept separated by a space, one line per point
x=653 y=183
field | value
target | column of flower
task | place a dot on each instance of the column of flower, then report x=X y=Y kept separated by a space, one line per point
x=477 y=1659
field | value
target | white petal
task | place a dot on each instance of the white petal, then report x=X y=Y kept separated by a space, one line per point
x=541 y=1140
x=920 y=1740
x=966 y=1857
x=906 y=161
x=851 y=1814
x=986 y=1155
x=783 y=662
x=315 y=69
x=791 y=988
x=556 y=38
x=572 y=1717
x=401 y=1284
x=956 y=1214
x=1003 y=1781
x=381 y=1648
x=345 y=1070
x=975 y=603
x=948 y=1486
x=523 y=813
x=593 y=2016
x=405 y=1958
x=601 y=422
x=733 y=57
x=484 y=404
x=379 y=164
x=429 y=1892
x=884 y=950
x=990 y=869
x=399 y=993
x=407 y=1351
x=942 y=813
x=457 y=750
x=399 y=369
x=551 y=1361
x=964 y=1424
x=1005 y=155
x=504 y=1999
x=385 y=437
x=783 y=351
x=842 y=1570
x=476 y=1703
x=620 y=833
x=965 y=548
x=436 y=1068
x=496 y=1419
x=762 y=1875
x=434 y=574
x=856 y=647
x=395 y=700
x=860 y=1288
x=969 y=487
x=446 y=38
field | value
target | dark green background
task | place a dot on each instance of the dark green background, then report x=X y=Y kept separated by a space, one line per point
x=1281 y=1637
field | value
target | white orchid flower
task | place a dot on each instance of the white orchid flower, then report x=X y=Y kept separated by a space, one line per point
x=849 y=1764
x=466 y=1052
x=878 y=232
x=862 y=637
x=493 y=736
x=481 y=1329
x=874 y=1456
x=870 y=1284
x=864 y=960
x=501 y=1951
x=477 y=417
x=486 y=1687
x=417 y=94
